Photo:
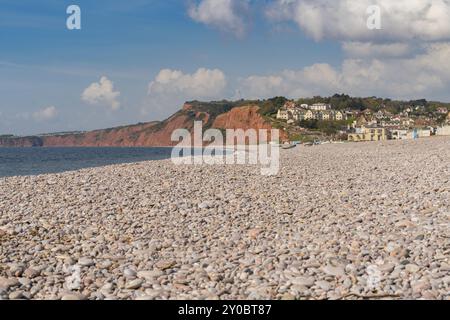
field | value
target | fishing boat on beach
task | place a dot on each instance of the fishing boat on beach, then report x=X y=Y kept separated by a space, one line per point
x=288 y=145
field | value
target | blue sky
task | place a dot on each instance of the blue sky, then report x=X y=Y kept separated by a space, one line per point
x=111 y=72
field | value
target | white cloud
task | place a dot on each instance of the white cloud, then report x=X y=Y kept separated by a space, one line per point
x=226 y=15
x=346 y=20
x=102 y=93
x=171 y=88
x=292 y=83
x=204 y=83
x=256 y=87
x=45 y=114
x=424 y=74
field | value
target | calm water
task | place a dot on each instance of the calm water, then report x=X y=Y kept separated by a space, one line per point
x=33 y=161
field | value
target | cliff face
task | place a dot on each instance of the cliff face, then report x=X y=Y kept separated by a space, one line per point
x=152 y=134
x=246 y=117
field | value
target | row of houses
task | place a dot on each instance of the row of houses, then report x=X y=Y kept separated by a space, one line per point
x=289 y=105
x=404 y=118
x=395 y=121
x=318 y=111
x=299 y=115
x=405 y=112
x=376 y=133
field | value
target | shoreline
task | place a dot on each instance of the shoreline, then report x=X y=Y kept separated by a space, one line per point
x=237 y=148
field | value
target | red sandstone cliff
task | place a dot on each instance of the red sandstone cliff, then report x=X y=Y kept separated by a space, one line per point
x=246 y=117
x=152 y=134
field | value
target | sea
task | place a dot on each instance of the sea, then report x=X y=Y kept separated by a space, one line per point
x=35 y=161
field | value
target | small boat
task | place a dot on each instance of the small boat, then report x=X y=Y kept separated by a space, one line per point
x=288 y=145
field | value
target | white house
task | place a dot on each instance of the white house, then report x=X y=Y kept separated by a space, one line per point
x=320 y=107
x=283 y=115
x=339 y=116
x=309 y=115
x=401 y=134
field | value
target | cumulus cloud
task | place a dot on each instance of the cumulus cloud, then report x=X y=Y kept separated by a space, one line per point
x=292 y=83
x=424 y=74
x=171 y=88
x=102 y=93
x=226 y=15
x=204 y=83
x=346 y=20
x=45 y=114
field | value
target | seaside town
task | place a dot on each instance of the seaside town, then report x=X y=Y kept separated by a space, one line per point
x=412 y=122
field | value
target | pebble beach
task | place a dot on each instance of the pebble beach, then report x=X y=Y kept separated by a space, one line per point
x=339 y=221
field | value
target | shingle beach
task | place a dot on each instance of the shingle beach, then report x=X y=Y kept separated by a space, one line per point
x=340 y=221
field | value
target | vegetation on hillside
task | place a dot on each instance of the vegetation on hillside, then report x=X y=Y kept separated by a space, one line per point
x=328 y=127
x=343 y=101
x=216 y=108
x=269 y=107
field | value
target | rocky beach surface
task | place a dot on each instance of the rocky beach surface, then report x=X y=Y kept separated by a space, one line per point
x=340 y=221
